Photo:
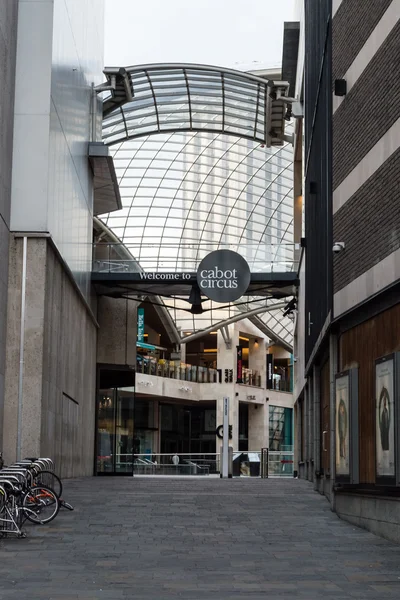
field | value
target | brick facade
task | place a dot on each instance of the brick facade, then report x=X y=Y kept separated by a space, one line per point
x=369 y=110
x=368 y=223
x=352 y=25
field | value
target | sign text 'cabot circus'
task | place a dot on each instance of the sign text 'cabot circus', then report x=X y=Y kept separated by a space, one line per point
x=217 y=278
x=223 y=276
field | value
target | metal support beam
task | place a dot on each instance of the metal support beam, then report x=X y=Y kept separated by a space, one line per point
x=226 y=336
x=240 y=317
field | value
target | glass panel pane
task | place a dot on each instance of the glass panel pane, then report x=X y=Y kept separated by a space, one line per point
x=124 y=430
x=105 y=431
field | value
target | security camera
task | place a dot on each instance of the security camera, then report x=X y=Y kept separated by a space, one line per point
x=295 y=359
x=338 y=247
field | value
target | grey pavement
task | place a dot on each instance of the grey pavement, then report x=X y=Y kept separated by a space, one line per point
x=197 y=539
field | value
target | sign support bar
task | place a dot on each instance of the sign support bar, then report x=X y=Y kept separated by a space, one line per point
x=225 y=440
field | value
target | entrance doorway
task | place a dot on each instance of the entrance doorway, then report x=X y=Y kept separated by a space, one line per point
x=115 y=422
x=115 y=431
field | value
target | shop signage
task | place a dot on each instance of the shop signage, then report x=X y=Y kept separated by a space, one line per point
x=220 y=433
x=145 y=346
x=140 y=325
x=270 y=371
x=223 y=276
x=239 y=364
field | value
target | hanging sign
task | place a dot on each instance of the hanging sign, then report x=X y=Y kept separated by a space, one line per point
x=223 y=276
x=239 y=364
x=140 y=325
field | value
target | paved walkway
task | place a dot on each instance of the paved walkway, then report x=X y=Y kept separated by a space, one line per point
x=145 y=539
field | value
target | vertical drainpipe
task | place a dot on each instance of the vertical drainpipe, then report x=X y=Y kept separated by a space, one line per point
x=21 y=349
x=291 y=373
x=93 y=115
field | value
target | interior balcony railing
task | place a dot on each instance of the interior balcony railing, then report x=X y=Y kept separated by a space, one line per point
x=185 y=257
x=184 y=372
x=174 y=370
x=251 y=377
x=282 y=385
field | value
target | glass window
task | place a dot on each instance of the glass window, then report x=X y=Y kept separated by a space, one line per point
x=280 y=428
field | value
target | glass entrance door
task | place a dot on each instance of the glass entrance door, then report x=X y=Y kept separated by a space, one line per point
x=115 y=428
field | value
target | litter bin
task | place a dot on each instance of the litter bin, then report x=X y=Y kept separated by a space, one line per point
x=254 y=461
x=237 y=459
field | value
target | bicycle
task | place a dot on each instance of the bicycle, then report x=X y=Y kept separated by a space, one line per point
x=17 y=506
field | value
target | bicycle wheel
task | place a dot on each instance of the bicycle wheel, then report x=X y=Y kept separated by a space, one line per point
x=41 y=504
x=49 y=480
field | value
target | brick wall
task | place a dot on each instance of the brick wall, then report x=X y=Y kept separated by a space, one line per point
x=368 y=223
x=352 y=25
x=369 y=110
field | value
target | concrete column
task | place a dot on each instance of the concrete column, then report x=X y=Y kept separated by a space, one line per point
x=257 y=358
x=333 y=369
x=157 y=426
x=31 y=361
x=317 y=423
x=182 y=348
x=258 y=426
x=117 y=318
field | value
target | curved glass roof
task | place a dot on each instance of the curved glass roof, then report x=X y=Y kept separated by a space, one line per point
x=160 y=98
x=186 y=193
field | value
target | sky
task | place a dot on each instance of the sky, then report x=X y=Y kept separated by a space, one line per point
x=241 y=34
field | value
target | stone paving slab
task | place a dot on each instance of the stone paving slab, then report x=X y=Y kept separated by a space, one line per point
x=197 y=539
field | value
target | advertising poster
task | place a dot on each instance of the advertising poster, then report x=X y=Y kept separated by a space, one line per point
x=239 y=365
x=270 y=371
x=385 y=448
x=342 y=426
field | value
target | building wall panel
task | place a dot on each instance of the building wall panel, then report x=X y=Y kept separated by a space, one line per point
x=317 y=161
x=68 y=375
x=368 y=223
x=8 y=44
x=370 y=108
x=350 y=32
x=359 y=347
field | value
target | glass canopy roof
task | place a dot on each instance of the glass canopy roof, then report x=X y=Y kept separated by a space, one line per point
x=196 y=174
x=150 y=99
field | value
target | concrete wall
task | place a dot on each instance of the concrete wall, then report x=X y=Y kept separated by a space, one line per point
x=117 y=319
x=8 y=44
x=59 y=57
x=58 y=386
x=69 y=375
x=379 y=515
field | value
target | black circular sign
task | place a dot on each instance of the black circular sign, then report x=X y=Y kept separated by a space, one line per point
x=223 y=276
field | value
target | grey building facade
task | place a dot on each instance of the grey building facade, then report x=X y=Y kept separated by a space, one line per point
x=8 y=47
x=347 y=392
